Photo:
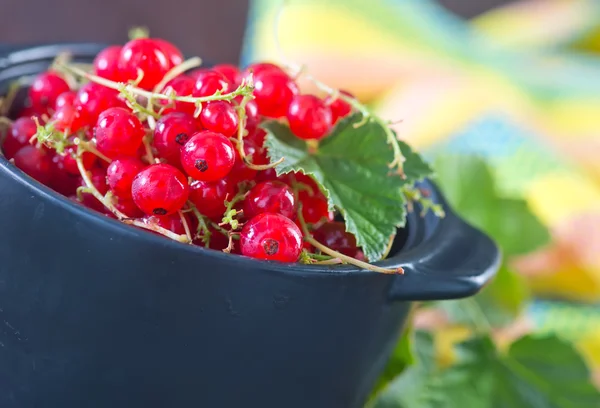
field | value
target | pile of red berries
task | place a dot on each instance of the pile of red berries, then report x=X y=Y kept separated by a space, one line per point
x=177 y=165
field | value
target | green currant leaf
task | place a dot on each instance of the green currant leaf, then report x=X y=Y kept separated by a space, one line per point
x=469 y=186
x=541 y=371
x=351 y=166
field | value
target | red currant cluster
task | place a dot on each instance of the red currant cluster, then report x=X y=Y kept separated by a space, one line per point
x=187 y=161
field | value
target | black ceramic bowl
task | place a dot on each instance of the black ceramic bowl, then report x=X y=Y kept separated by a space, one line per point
x=94 y=313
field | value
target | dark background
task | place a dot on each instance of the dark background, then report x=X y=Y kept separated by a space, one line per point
x=212 y=28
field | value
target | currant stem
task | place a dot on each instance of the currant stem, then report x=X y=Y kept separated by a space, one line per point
x=244 y=89
x=89 y=147
x=148 y=148
x=178 y=70
x=202 y=231
x=413 y=194
x=335 y=254
x=186 y=227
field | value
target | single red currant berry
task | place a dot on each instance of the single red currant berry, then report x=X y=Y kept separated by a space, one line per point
x=169 y=222
x=92 y=99
x=209 y=82
x=266 y=175
x=260 y=67
x=65 y=98
x=172 y=133
x=68 y=163
x=270 y=197
x=231 y=72
x=63 y=182
x=309 y=117
x=182 y=85
x=334 y=236
x=339 y=107
x=120 y=175
x=209 y=196
x=258 y=136
x=46 y=87
x=37 y=163
x=118 y=133
x=173 y=53
x=66 y=118
x=160 y=189
x=208 y=156
x=106 y=63
x=18 y=136
x=128 y=207
x=314 y=208
x=252 y=118
x=147 y=56
x=272 y=237
x=273 y=92
x=220 y=117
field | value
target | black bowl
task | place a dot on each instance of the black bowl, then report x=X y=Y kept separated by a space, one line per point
x=94 y=313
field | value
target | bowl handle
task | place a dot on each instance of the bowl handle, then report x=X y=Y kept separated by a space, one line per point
x=455 y=260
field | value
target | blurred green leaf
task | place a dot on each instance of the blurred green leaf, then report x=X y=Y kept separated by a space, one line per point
x=469 y=186
x=537 y=371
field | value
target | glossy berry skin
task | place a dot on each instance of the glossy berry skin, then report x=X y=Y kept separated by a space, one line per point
x=273 y=92
x=229 y=71
x=309 y=117
x=208 y=156
x=339 y=107
x=209 y=196
x=68 y=163
x=37 y=163
x=18 y=136
x=172 y=133
x=169 y=222
x=173 y=53
x=66 y=117
x=240 y=171
x=314 y=208
x=118 y=133
x=128 y=207
x=46 y=87
x=120 y=175
x=209 y=82
x=106 y=63
x=92 y=99
x=260 y=67
x=182 y=85
x=270 y=197
x=147 y=55
x=271 y=237
x=334 y=235
x=65 y=98
x=160 y=189
x=220 y=117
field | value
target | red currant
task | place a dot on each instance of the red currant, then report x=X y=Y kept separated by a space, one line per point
x=118 y=133
x=92 y=99
x=182 y=85
x=98 y=178
x=252 y=118
x=240 y=171
x=209 y=82
x=169 y=222
x=257 y=136
x=18 y=136
x=272 y=237
x=208 y=156
x=273 y=92
x=46 y=87
x=339 y=107
x=314 y=208
x=146 y=55
x=120 y=175
x=63 y=182
x=66 y=118
x=231 y=72
x=209 y=196
x=270 y=197
x=160 y=189
x=220 y=117
x=68 y=163
x=128 y=207
x=170 y=50
x=266 y=175
x=37 y=163
x=106 y=63
x=260 y=67
x=335 y=236
x=309 y=117
x=171 y=134
x=65 y=98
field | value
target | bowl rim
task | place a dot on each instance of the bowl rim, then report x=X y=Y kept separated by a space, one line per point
x=31 y=54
